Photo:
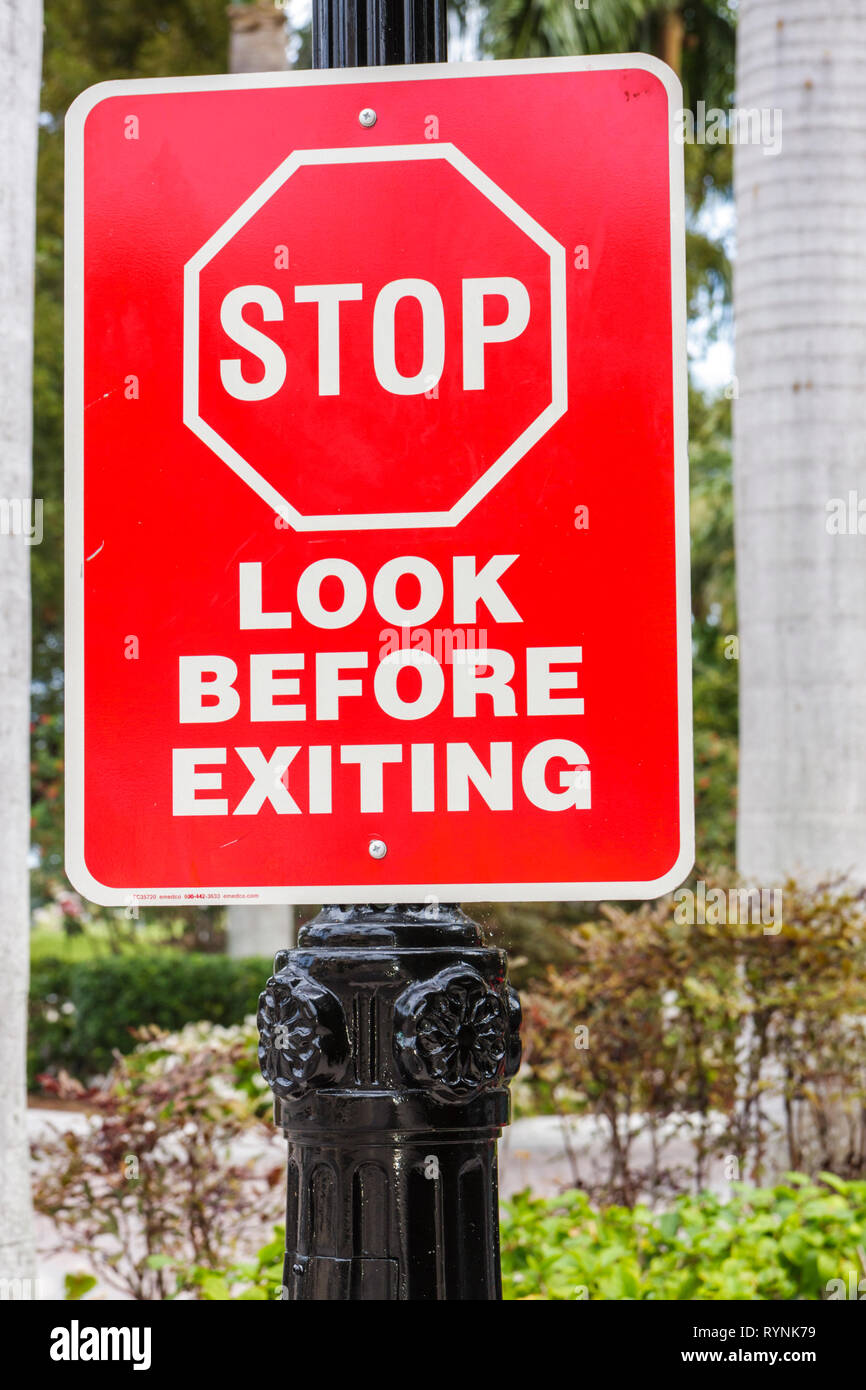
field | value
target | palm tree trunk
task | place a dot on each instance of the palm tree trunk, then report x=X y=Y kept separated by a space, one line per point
x=673 y=32
x=257 y=37
x=20 y=58
x=800 y=427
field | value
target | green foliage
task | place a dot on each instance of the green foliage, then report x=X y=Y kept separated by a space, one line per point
x=257 y=1280
x=738 y=1033
x=785 y=1242
x=83 y=1012
x=712 y=517
x=77 y=1285
x=46 y=731
x=549 y=28
x=156 y=1183
x=158 y=1162
x=98 y=936
x=714 y=629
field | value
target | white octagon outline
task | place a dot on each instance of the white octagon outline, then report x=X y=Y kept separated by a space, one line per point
x=506 y=461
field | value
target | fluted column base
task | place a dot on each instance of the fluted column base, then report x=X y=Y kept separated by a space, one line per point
x=388 y=1037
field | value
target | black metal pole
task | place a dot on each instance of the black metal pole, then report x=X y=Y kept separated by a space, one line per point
x=389 y=1034
x=370 y=33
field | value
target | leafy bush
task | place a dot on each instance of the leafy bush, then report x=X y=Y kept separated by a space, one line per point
x=154 y=1184
x=785 y=1242
x=81 y=1012
x=51 y=1024
x=246 y=1280
x=745 y=1040
x=155 y=1196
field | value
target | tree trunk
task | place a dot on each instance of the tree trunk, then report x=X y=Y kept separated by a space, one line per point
x=257 y=43
x=673 y=32
x=800 y=425
x=257 y=37
x=20 y=56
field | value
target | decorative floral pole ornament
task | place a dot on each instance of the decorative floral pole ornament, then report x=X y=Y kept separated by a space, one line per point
x=453 y=1032
x=388 y=1038
x=302 y=1034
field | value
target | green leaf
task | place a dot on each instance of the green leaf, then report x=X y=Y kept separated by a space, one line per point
x=77 y=1285
x=215 y=1289
x=669 y=1224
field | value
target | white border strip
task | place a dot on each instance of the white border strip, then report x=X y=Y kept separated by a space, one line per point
x=74 y=406
x=378 y=521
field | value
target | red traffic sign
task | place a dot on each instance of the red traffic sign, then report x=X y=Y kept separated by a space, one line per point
x=377 y=549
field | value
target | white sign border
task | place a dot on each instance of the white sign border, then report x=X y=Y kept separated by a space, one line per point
x=378 y=521
x=75 y=559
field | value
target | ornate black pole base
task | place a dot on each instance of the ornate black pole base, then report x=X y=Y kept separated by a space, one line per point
x=388 y=1036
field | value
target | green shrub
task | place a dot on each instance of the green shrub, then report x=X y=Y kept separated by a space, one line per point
x=157 y=1184
x=785 y=1242
x=747 y=1035
x=52 y=1016
x=246 y=1280
x=83 y=1011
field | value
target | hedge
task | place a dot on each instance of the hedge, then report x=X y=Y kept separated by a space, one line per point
x=82 y=1011
x=797 y=1240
